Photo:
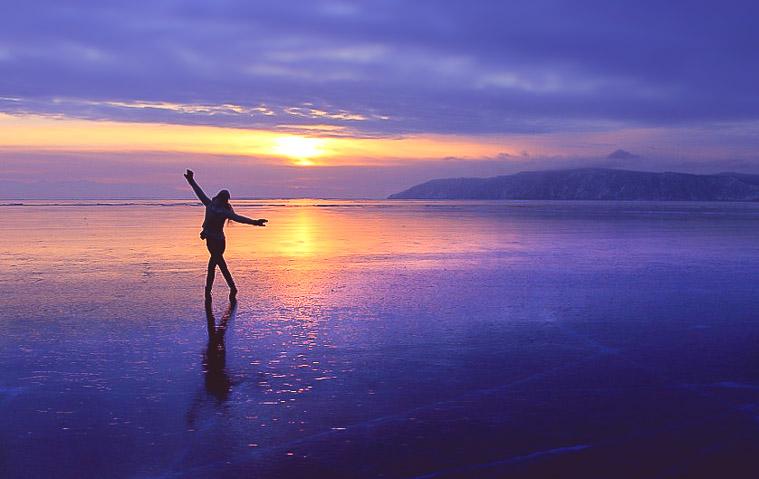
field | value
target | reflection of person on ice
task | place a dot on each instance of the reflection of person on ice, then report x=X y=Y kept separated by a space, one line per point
x=218 y=211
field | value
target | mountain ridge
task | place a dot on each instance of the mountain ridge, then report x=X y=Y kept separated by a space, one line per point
x=592 y=184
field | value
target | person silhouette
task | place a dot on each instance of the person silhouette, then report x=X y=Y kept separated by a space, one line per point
x=218 y=211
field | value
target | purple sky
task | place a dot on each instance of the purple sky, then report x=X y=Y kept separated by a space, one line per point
x=557 y=75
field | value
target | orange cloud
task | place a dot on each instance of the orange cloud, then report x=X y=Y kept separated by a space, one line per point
x=50 y=134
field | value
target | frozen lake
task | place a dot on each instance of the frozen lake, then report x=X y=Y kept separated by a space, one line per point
x=381 y=339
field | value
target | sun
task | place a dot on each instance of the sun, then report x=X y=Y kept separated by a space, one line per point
x=299 y=148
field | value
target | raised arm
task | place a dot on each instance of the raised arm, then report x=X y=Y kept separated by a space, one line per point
x=244 y=219
x=198 y=191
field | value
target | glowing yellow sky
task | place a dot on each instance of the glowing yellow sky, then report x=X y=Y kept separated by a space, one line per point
x=52 y=134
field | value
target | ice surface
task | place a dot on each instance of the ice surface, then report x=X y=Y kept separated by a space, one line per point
x=381 y=339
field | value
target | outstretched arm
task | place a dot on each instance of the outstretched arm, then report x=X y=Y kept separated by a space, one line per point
x=244 y=219
x=198 y=191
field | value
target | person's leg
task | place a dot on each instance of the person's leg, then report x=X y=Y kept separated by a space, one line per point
x=215 y=249
x=225 y=271
x=227 y=276
x=211 y=274
x=219 y=248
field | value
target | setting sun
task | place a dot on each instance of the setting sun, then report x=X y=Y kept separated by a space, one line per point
x=299 y=148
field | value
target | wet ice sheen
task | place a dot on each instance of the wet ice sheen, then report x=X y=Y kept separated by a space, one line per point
x=381 y=339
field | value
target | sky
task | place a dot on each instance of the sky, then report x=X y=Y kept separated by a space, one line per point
x=361 y=99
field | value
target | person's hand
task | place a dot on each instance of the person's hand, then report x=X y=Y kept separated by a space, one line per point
x=189 y=175
x=261 y=222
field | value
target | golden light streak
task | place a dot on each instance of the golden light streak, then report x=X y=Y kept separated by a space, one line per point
x=299 y=148
x=38 y=133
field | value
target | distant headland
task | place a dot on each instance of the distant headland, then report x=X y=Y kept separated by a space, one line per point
x=591 y=184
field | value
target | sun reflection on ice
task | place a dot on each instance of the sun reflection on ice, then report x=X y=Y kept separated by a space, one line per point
x=301 y=239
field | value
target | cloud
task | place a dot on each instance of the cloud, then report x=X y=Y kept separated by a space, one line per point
x=394 y=67
x=41 y=174
x=564 y=81
x=621 y=155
